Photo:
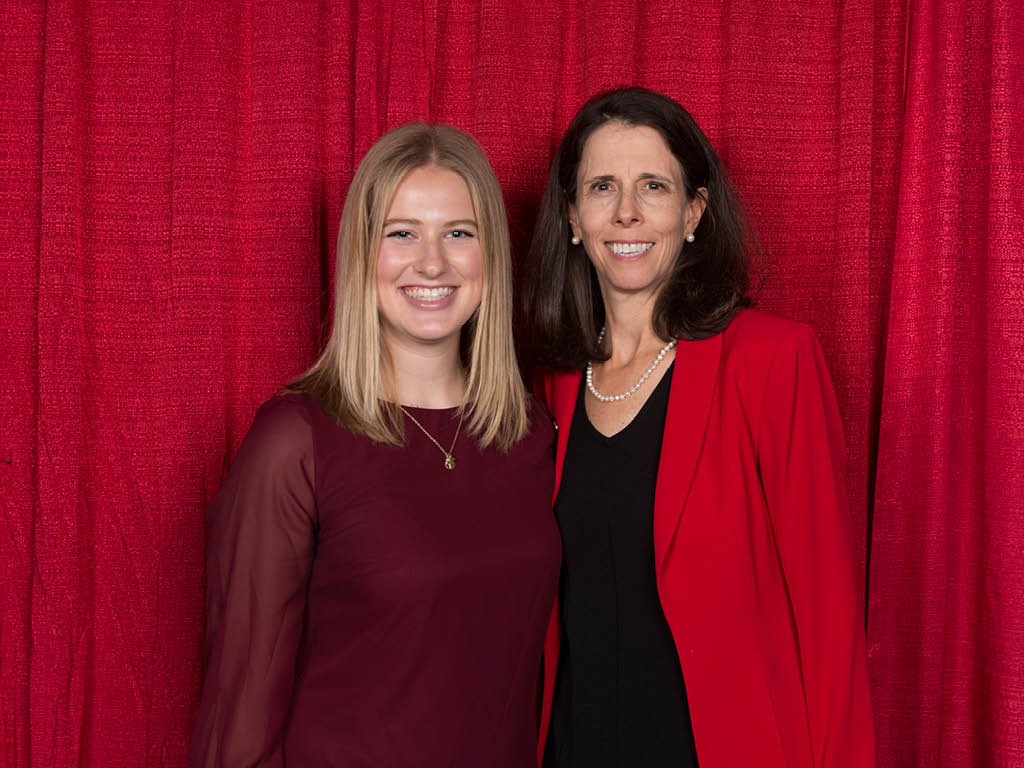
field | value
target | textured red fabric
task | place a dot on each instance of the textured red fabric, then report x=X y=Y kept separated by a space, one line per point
x=946 y=615
x=171 y=177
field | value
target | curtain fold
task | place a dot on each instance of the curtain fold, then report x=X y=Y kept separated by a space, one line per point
x=171 y=178
x=945 y=614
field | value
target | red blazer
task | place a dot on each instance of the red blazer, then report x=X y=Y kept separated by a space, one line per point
x=752 y=548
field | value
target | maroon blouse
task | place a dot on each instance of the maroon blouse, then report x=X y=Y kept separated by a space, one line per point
x=368 y=607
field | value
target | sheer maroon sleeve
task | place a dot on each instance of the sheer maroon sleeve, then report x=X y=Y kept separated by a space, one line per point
x=259 y=555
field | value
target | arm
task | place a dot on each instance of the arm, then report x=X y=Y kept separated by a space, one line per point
x=801 y=458
x=259 y=556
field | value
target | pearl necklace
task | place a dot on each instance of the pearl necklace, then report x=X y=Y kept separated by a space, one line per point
x=612 y=398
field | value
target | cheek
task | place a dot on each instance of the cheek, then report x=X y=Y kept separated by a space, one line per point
x=389 y=265
x=672 y=218
x=472 y=272
x=591 y=214
x=471 y=264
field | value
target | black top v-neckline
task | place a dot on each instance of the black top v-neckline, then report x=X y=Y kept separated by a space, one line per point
x=656 y=401
x=619 y=697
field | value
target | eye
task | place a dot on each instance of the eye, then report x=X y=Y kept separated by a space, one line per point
x=459 y=234
x=601 y=186
x=400 y=234
x=654 y=186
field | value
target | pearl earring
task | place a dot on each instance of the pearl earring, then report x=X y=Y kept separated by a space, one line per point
x=575 y=240
x=690 y=238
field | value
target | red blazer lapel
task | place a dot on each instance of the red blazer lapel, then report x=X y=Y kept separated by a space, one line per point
x=559 y=392
x=686 y=421
x=562 y=390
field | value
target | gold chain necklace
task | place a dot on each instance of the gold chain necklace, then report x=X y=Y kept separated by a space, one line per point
x=449 y=460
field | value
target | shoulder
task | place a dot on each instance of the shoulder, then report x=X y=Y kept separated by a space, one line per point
x=756 y=340
x=541 y=424
x=284 y=415
x=274 y=469
x=534 y=452
x=752 y=327
x=766 y=360
x=549 y=385
x=281 y=431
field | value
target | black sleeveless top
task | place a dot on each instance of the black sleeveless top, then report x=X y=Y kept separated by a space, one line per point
x=619 y=695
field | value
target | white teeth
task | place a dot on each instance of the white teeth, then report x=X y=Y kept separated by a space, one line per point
x=428 y=294
x=629 y=249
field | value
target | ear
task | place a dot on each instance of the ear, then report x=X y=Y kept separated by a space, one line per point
x=574 y=220
x=695 y=208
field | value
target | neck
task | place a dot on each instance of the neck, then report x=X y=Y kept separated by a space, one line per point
x=426 y=377
x=629 y=332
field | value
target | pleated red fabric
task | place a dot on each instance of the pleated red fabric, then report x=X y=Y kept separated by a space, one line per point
x=171 y=178
x=946 y=614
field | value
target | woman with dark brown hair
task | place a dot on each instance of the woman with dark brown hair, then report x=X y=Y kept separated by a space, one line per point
x=708 y=607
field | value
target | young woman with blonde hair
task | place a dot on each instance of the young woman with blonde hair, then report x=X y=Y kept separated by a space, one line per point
x=382 y=556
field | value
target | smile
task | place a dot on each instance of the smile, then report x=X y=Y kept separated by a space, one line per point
x=424 y=293
x=629 y=250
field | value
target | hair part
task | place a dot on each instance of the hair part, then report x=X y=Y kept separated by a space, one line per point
x=562 y=306
x=352 y=378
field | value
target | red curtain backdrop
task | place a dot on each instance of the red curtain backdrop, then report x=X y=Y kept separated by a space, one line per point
x=171 y=180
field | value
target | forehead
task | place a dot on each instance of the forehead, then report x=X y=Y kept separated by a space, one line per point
x=619 y=149
x=431 y=186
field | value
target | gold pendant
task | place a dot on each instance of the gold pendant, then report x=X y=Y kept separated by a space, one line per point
x=449 y=461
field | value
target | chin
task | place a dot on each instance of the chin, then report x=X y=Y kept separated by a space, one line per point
x=635 y=286
x=630 y=281
x=428 y=336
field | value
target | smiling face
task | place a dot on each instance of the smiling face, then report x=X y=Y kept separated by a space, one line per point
x=631 y=210
x=429 y=266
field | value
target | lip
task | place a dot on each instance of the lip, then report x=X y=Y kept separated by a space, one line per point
x=628 y=250
x=429 y=297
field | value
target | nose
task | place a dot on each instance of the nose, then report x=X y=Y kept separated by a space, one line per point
x=627 y=209
x=431 y=260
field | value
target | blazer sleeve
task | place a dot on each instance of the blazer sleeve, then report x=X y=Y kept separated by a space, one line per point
x=801 y=458
x=259 y=556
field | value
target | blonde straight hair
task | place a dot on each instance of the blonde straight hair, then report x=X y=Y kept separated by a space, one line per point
x=350 y=379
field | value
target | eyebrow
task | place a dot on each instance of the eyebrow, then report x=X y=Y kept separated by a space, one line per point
x=642 y=177
x=656 y=176
x=415 y=222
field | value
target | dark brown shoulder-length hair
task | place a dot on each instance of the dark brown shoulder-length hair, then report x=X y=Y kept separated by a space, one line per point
x=562 y=310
